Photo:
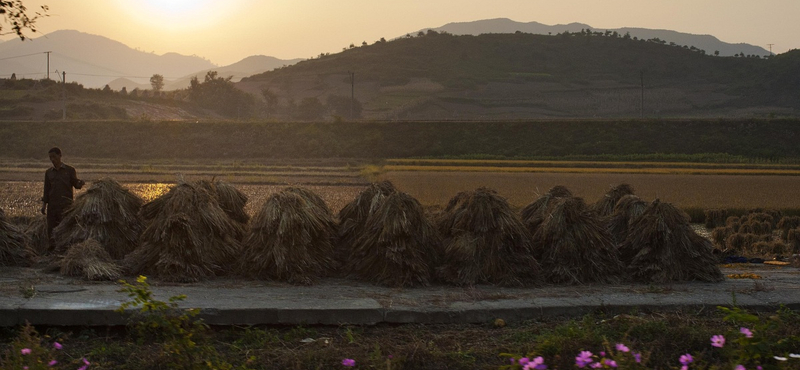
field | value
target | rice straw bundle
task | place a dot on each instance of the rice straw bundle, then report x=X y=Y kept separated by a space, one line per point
x=534 y=214
x=715 y=218
x=720 y=235
x=628 y=208
x=107 y=213
x=14 y=246
x=36 y=234
x=188 y=236
x=230 y=199
x=353 y=217
x=291 y=239
x=398 y=245
x=485 y=242
x=788 y=223
x=793 y=240
x=90 y=260
x=605 y=205
x=662 y=247
x=574 y=247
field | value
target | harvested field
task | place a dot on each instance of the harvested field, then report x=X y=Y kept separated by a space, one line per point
x=22 y=198
x=684 y=191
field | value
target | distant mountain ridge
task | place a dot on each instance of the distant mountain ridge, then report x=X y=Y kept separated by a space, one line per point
x=504 y=25
x=95 y=61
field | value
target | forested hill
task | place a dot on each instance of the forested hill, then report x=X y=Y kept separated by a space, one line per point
x=506 y=76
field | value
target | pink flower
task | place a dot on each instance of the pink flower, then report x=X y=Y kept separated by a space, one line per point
x=57 y=345
x=622 y=348
x=611 y=363
x=583 y=359
x=686 y=359
x=596 y=365
x=83 y=367
x=718 y=341
x=24 y=368
x=52 y=363
x=747 y=333
x=740 y=367
x=349 y=362
x=25 y=351
x=523 y=361
x=638 y=357
x=685 y=367
x=537 y=364
x=603 y=353
x=85 y=361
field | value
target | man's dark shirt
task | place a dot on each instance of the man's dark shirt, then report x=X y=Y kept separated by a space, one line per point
x=58 y=184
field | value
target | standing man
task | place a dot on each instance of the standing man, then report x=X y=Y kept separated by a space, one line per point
x=58 y=183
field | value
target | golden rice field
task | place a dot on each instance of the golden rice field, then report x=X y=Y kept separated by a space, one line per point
x=685 y=191
x=434 y=182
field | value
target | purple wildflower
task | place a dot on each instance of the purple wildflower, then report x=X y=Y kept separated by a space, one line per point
x=611 y=363
x=52 y=363
x=583 y=359
x=718 y=341
x=740 y=367
x=747 y=333
x=686 y=359
x=638 y=357
x=524 y=361
x=596 y=365
x=57 y=345
x=25 y=351
x=622 y=348
x=349 y=362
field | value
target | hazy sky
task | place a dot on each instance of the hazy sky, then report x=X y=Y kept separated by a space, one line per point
x=225 y=31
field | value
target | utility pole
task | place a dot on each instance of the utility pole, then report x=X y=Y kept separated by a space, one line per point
x=770 y=49
x=352 y=93
x=48 y=63
x=64 y=95
x=641 y=76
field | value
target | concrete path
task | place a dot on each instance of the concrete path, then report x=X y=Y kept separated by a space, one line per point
x=51 y=299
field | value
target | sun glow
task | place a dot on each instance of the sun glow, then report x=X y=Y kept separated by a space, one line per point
x=178 y=15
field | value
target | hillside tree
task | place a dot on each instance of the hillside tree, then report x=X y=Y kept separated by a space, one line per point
x=221 y=95
x=157 y=82
x=15 y=13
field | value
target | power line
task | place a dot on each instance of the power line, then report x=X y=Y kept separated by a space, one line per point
x=22 y=56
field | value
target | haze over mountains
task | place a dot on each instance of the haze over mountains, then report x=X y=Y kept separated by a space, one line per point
x=95 y=61
x=503 y=25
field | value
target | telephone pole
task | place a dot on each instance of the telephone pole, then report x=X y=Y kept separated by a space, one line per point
x=770 y=49
x=352 y=92
x=48 y=63
x=641 y=76
x=64 y=96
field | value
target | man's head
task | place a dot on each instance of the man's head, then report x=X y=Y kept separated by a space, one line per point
x=55 y=156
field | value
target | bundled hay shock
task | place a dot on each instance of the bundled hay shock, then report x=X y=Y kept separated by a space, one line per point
x=398 y=246
x=662 y=247
x=485 y=242
x=719 y=236
x=15 y=248
x=36 y=234
x=188 y=236
x=88 y=259
x=533 y=214
x=786 y=224
x=793 y=240
x=574 y=246
x=628 y=208
x=605 y=206
x=353 y=216
x=230 y=199
x=715 y=218
x=107 y=213
x=291 y=239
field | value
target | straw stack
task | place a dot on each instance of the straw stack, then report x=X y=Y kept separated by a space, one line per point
x=88 y=259
x=107 y=213
x=14 y=245
x=485 y=242
x=398 y=245
x=188 y=236
x=291 y=239
x=662 y=247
